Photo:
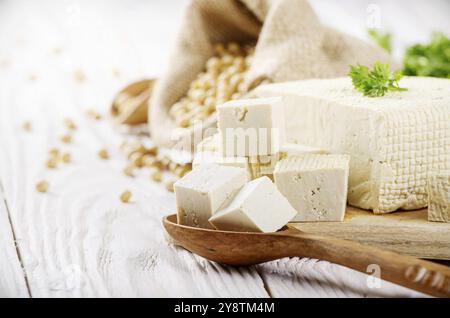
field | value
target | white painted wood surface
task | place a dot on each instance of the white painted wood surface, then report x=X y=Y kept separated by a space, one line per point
x=58 y=58
x=12 y=278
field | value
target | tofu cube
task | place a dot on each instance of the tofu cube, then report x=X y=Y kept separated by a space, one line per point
x=251 y=127
x=291 y=149
x=263 y=165
x=439 y=197
x=207 y=157
x=203 y=191
x=209 y=152
x=315 y=185
x=257 y=207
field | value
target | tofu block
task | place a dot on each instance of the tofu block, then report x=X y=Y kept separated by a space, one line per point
x=315 y=185
x=394 y=141
x=257 y=207
x=203 y=191
x=209 y=152
x=251 y=127
x=439 y=197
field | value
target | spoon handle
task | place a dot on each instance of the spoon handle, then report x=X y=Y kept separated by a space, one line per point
x=423 y=276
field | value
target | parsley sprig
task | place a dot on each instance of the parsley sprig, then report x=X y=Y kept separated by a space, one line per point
x=376 y=82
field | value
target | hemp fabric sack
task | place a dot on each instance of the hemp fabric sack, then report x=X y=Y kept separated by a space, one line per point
x=291 y=44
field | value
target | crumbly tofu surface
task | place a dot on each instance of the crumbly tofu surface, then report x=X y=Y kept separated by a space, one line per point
x=315 y=185
x=439 y=197
x=257 y=207
x=203 y=191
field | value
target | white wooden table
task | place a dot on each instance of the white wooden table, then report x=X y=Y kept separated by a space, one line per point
x=57 y=59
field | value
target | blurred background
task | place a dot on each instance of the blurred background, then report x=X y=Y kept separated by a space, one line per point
x=112 y=42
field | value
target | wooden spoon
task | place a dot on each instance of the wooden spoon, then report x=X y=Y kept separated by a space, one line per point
x=130 y=105
x=245 y=248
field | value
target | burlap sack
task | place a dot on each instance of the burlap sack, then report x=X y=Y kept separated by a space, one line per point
x=291 y=44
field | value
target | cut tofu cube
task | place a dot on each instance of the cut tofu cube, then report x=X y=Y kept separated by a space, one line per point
x=315 y=185
x=209 y=152
x=209 y=144
x=439 y=197
x=203 y=191
x=207 y=157
x=256 y=166
x=258 y=207
x=263 y=165
x=251 y=127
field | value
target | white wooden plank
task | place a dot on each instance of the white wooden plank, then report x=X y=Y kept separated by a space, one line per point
x=12 y=278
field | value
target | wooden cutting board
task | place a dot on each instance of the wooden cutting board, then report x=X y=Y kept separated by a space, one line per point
x=407 y=233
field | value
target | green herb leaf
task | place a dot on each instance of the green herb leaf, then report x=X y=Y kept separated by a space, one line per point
x=384 y=40
x=431 y=59
x=376 y=82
